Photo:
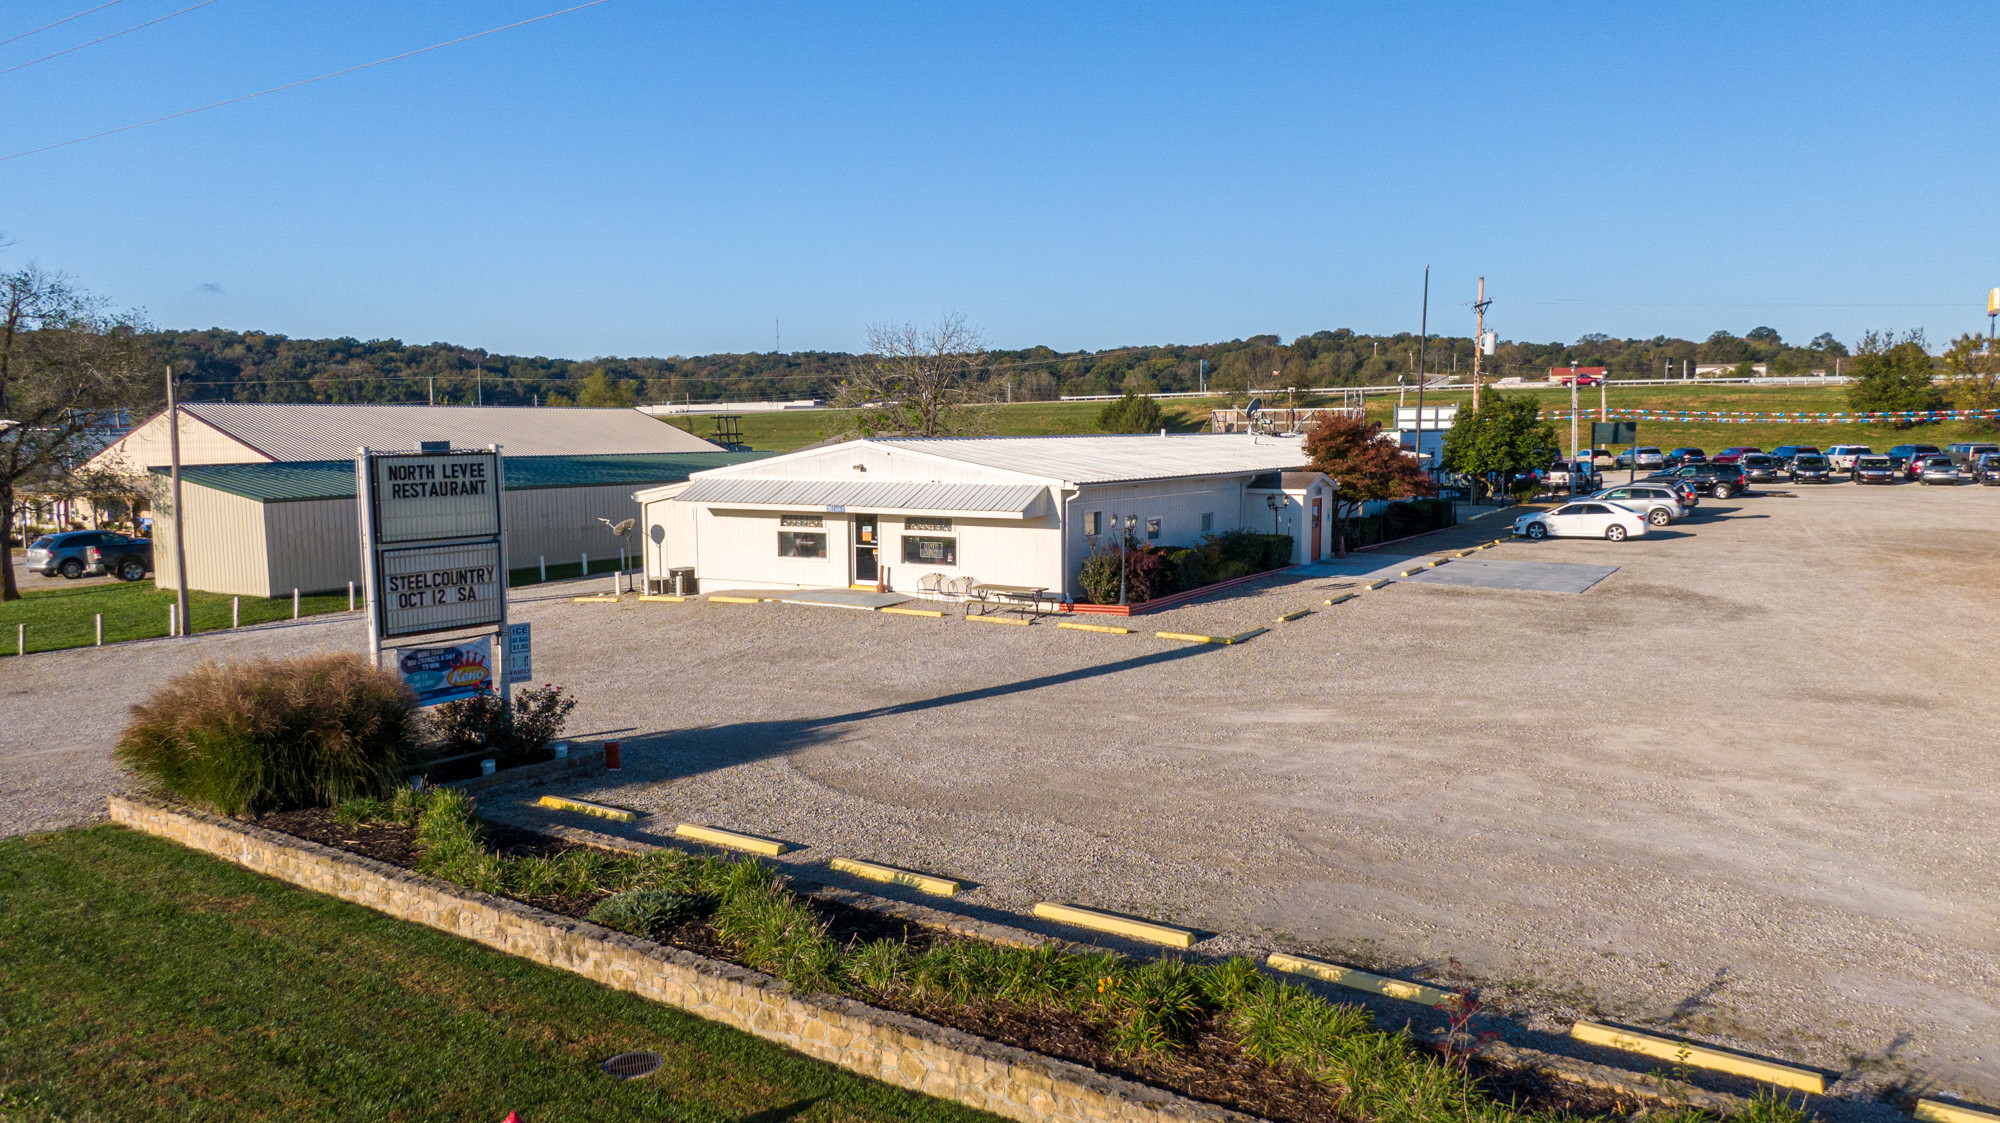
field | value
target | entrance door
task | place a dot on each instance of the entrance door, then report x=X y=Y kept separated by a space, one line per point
x=867 y=566
x=1316 y=529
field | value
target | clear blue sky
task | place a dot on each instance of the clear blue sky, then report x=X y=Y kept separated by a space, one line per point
x=650 y=178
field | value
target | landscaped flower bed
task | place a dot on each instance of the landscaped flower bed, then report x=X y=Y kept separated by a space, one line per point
x=1225 y=1033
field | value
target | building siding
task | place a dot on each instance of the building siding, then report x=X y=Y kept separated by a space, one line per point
x=226 y=541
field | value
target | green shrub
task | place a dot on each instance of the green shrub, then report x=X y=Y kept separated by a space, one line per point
x=484 y=723
x=643 y=912
x=1146 y=573
x=1133 y=413
x=274 y=734
x=1185 y=568
x=1277 y=551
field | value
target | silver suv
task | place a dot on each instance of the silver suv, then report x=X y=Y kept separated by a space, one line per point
x=1659 y=503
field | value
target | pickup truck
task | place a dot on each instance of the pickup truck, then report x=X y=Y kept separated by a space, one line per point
x=1577 y=479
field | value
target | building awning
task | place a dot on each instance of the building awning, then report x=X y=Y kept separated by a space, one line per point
x=991 y=501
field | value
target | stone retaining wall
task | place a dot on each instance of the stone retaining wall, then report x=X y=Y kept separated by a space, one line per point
x=893 y=1048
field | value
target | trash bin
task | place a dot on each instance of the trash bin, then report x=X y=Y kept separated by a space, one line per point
x=681 y=580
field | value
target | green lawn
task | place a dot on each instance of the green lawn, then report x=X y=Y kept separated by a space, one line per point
x=58 y=618
x=141 y=980
x=784 y=432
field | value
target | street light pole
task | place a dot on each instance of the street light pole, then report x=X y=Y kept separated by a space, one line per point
x=180 y=515
x=1423 y=375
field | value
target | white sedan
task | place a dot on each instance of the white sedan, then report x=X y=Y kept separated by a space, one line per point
x=1588 y=519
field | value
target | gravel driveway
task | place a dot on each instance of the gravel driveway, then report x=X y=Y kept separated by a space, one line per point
x=1742 y=789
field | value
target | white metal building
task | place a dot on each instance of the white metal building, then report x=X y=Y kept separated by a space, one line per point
x=1008 y=510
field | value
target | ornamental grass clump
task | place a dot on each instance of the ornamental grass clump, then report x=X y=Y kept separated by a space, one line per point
x=274 y=734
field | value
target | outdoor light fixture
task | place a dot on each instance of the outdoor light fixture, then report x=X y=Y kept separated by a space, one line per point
x=861 y=467
x=1276 y=503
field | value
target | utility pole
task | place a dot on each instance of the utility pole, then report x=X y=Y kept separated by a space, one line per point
x=180 y=514
x=1423 y=375
x=1479 y=341
x=1603 y=413
x=431 y=384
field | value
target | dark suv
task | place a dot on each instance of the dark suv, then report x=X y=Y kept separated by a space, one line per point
x=1811 y=467
x=1761 y=468
x=76 y=553
x=1719 y=480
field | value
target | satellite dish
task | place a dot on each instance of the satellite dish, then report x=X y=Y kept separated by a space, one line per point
x=622 y=530
x=1255 y=407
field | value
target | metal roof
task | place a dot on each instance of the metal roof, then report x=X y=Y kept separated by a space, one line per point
x=334 y=479
x=992 y=500
x=314 y=431
x=1114 y=459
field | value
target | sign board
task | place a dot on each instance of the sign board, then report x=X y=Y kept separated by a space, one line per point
x=441 y=588
x=520 y=657
x=434 y=559
x=1607 y=433
x=436 y=495
x=442 y=674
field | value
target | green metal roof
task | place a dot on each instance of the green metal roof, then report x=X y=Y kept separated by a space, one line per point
x=334 y=479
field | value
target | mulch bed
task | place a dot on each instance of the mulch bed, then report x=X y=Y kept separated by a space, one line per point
x=1212 y=1066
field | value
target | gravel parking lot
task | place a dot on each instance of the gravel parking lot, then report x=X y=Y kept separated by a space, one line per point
x=1744 y=788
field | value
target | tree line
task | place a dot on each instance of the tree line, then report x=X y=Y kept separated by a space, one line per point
x=227 y=365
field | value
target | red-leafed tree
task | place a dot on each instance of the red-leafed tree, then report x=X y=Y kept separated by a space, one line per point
x=1364 y=469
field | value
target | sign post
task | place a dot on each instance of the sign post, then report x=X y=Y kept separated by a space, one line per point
x=434 y=560
x=1610 y=433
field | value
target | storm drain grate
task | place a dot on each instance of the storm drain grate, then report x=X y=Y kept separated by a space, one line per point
x=631 y=1066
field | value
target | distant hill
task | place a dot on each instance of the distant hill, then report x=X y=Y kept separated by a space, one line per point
x=257 y=367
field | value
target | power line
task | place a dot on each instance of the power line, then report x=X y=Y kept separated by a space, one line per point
x=303 y=81
x=106 y=38
x=59 y=23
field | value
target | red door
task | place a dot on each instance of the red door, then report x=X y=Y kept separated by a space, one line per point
x=1315 y=529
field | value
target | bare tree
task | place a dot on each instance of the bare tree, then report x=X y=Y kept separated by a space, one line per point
x=915 y=380
x=65 y=364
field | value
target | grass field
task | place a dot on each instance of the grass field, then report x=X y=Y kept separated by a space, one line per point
x=59 y=618
x=140 y=980
x=784 y=432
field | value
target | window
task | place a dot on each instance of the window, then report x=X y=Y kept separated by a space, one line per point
x=927 y=524
x=792 y=544
x=801 y=520
x=1152 y=528
x=929 y=551
x=1093 y=523
x=1207 y=521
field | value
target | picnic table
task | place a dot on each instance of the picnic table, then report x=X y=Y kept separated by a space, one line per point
x=990 y=596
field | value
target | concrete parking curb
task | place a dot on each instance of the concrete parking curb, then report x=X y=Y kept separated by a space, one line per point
x=1937 y=1111
x=1196 y=637
x=1700 y=1056
x=1014 y=620
x=1360 y=980
x=1109 y=629
x=1291 y=616
x=662 y=598
x=1342 y=598
x=731 y=840
x=585 y=807
x=1146 y=930
x=930 y=612
x=875 y=871
x=735 y=600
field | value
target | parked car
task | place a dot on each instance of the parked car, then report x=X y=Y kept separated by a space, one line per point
x=1875 y=468
x=1719 y=480
x=1938 y=469
x=1842 y=456
x=1681 y=456
x=1912 y=457
x=1641 y=458
x=1659 y=503
x=1586 y=519
x=1575 y=478
x=1734 y=453
x=1987 y=469
x=77 y=553
x=1761 y=468
x=1964 y=455
x=1811 y=468
x=1787 y=452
